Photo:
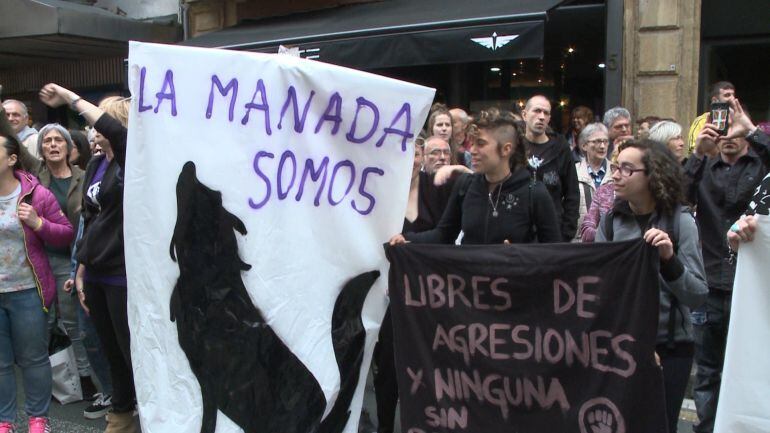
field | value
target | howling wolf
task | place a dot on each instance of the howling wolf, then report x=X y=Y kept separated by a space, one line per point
x=243 y=368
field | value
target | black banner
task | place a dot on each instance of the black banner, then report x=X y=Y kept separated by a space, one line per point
x=527 y=339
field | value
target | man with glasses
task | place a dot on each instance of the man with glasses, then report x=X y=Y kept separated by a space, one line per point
x=437 y=154
x=618 y=123
x=551 y=161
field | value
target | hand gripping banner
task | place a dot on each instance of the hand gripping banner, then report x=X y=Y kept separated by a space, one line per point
x=534 y=338
x=258 y=191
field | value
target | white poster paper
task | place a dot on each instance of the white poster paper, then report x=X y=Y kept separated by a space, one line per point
x=259 y=190
x=744 y=397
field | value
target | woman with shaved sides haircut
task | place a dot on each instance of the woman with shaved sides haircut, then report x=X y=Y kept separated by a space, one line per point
x=499 y=202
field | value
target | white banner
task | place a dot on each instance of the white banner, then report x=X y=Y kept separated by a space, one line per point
x=259 y=190
x=744 y=397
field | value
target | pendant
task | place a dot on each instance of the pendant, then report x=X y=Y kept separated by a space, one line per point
x=494 y=213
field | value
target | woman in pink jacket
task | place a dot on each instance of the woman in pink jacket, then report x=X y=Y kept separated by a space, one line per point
x=29 y=218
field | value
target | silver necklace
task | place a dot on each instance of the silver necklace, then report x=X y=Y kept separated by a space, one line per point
x=497 y=200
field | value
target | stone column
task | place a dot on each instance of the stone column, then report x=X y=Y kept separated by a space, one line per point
x=661 y=48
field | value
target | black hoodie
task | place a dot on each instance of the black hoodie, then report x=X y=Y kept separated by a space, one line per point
x=557 y=172
x=101 y=248
x=470 y=209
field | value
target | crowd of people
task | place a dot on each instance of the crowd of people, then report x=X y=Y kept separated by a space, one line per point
x=62 y=264
x=491 y=177
x=692 y=197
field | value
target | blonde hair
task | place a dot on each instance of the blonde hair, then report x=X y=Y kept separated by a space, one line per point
x=116 y=107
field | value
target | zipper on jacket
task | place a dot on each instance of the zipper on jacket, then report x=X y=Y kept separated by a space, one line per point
x=26 y=253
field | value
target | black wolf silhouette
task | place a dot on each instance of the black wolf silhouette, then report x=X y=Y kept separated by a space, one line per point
x=244 y=369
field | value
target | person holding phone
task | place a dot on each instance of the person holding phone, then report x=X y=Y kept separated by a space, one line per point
x=721 y=187
x=721 y=91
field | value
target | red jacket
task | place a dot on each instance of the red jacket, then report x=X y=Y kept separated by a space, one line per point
x=55 y=231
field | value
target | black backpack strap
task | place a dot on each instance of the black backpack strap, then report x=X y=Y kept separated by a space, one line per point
x=609 y=229
x=673 y=232
x=671 y=225
x=587 y=195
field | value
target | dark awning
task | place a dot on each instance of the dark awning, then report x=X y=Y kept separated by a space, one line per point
x=399 y=32
x=36 y=31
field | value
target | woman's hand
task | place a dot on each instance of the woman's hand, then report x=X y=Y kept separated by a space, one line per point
x=54 y=95
x=79 y=288
x=68 y=285
x=658 y=238
x=28 y=215
x=397 y=240
x=742 y=231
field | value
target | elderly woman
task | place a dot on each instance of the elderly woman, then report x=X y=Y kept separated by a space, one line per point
x=65 y=181
x=670 y=134
x=101 y=277
x=593 y=169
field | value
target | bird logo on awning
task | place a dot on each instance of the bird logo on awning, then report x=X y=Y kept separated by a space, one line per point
x=494 y=42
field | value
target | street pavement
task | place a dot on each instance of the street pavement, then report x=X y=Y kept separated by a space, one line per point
x=64 y=418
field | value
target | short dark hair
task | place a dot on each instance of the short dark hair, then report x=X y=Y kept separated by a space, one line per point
x=80 y=140
x=719 y=86
x=583 y=112
x=504 y=127
x=650 y=120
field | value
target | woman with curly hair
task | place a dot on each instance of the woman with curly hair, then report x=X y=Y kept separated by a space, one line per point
x=499 y=202
x=648 y=182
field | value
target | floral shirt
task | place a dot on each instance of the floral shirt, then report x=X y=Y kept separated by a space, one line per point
x=602 y=202
x=15 y=271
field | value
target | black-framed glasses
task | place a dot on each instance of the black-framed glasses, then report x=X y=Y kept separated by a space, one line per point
x=625 y=170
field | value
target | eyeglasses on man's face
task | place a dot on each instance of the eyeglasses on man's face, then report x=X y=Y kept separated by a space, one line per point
x=438 y=152
x=625 y=170
x=599 y=141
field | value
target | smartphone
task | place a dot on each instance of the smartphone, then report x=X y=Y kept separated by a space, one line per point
x=720 y=112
